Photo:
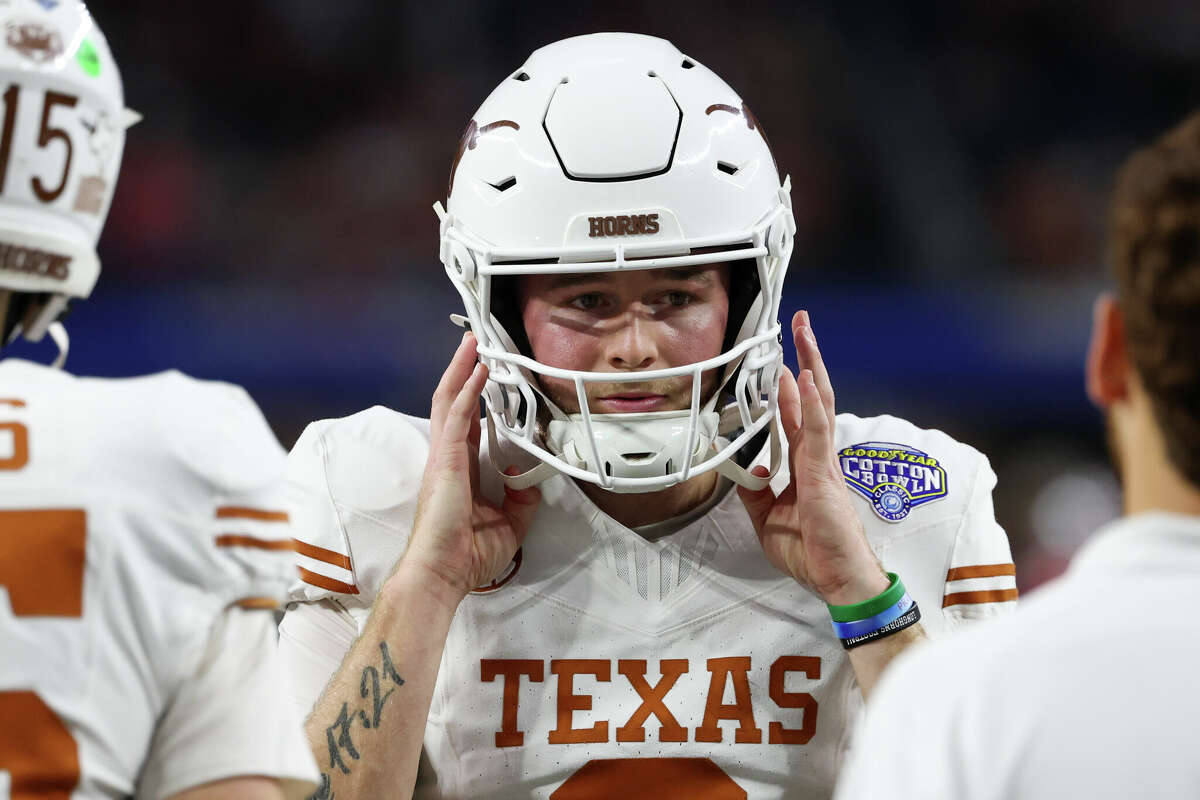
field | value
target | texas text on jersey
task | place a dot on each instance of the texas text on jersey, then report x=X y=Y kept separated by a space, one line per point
x=688 y=657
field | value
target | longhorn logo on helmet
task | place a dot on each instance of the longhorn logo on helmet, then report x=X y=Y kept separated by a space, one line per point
x=33 y=40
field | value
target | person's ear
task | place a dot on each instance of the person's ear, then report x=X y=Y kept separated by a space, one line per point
x=1108 y=362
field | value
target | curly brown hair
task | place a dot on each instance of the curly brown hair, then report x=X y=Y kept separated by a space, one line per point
x=1154 y=244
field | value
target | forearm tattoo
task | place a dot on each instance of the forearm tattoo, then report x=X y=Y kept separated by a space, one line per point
x=338 y=736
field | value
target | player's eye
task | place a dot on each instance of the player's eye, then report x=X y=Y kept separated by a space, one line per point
x=678 y=299
x=587 y=302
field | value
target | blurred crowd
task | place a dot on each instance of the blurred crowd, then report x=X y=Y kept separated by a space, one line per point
x=938 y=149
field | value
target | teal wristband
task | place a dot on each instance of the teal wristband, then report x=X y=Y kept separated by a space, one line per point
x=869 y=608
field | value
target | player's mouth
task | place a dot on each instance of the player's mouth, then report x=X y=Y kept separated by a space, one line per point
x=629 y=402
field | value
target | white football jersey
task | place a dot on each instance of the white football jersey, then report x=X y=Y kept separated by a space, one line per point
x=604 y=664
x=140 y=521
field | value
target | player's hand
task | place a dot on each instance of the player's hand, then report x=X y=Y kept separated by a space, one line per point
x=459 y=539
x=811 y=530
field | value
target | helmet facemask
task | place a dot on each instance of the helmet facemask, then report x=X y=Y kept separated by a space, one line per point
x=637 y=452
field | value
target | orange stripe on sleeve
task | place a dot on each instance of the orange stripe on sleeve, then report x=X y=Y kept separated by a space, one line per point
x=322 y=582
x=981 y=571
x=258 y=603
x=241 y=540
x=321 y=554
x=241 y=512
x=12 y=401
x=974 y=598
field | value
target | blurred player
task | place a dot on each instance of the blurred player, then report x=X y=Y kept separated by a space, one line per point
x=143 y=538
x=1089 y=691
x=607 y=624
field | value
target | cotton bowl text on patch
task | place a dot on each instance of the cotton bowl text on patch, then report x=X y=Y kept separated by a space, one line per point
x=894 y=478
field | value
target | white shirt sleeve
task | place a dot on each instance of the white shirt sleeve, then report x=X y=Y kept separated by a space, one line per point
x=313 y=640
x=910 y=743
x=981 y=581
x=233 y=717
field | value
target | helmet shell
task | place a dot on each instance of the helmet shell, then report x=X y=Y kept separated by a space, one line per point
x=62 y=134
x=611 y=152
x=567 y=136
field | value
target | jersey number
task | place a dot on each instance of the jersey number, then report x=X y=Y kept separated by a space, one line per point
x=42 y=556
x=46 y=134
x=650 y=779
x=18 y=432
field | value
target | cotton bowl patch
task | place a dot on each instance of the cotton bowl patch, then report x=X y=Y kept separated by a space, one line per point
x=894 y=478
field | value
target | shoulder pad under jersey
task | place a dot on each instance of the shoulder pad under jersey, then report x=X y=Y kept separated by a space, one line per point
x=925 y=500
x=353 y=485
x=217 y=434
x=185 y=475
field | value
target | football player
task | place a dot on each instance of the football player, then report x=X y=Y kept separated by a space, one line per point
x=1053 y=702
x=580 y=604
x=143 y=536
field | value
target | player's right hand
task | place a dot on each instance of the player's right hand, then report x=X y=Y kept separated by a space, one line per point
x=460 y=540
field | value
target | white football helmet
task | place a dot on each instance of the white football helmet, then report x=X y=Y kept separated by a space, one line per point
x=62 y=133
x=614 y=152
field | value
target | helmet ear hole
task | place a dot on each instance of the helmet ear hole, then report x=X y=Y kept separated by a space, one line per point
x=743 y=290
x=463 y=261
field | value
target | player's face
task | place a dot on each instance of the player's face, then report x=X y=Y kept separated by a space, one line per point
x=625 y=323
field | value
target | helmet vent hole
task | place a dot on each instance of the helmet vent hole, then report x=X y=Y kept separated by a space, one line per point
x=505 y=184
x=652 y=74
x=521 y=76
x=727 y=168
x=608 y=468
x=687 y=63
x=634 y=457
x=564 y=80
x=670 y=467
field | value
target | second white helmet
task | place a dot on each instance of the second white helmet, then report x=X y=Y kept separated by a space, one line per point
x=62 y=133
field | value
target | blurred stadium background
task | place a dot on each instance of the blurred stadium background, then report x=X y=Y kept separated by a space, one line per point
x=950 y=160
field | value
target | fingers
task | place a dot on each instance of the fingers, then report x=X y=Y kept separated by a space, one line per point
x=818 y=432
x=450 y=386
x=473 y=431
x=791 y=415
x=463 y=413
x=809 y=356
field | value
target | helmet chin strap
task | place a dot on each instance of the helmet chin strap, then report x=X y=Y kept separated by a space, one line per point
x=62 y=341
x=530 y=477
x=729 y=468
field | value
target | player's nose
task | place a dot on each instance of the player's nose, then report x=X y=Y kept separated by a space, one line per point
x=632 y=346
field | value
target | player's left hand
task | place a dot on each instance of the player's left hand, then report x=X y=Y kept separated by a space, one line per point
x=811 y=530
